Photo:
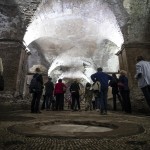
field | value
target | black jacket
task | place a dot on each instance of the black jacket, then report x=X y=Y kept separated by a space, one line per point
x=49 y=88
x=74 y=87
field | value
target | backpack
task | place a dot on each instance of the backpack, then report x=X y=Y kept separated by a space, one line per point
x=96 y=86
x=35 y=86
x=1 y=83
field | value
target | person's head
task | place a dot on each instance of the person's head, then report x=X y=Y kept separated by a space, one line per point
x=37 y=70
x=49 y=78
x=60 y=80
x=139 y=58
x=75 y=81
x=123 y=72
x=114 y=75
x=99 y=69
x=88 y=84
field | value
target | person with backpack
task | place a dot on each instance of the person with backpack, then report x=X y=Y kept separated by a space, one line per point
x=88 y=96
x=36 y=88
x=103 y=78
x=96 y=86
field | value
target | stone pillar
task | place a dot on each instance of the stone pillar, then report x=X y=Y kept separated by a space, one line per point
x=14 y=70
x=127 y=56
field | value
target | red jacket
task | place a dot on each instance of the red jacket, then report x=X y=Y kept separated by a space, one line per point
x=59 y=88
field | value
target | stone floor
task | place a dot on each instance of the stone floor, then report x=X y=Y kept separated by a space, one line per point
x=21 y=130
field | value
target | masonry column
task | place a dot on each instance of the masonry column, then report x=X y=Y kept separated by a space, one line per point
x=14 y=68
x=127 y=59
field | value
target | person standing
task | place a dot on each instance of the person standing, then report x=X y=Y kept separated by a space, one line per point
x=103 y=78
x=124 y=91
x=96 y=86
x=44 y=99
x=49 y=89
x=74 y=90
x=143 y=77
x=37 y=84
x=88 y=95
x=59 y=93
x=115 y=92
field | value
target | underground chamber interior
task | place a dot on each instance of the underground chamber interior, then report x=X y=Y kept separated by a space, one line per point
x=70 y=40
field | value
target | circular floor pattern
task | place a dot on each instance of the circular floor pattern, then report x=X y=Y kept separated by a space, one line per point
x=77 y=129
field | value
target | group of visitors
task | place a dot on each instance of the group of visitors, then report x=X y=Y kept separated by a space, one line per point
x=48 y=90
x=95 y=94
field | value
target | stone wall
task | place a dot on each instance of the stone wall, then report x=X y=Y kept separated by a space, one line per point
x=13 y=58
x=15 y=15
x=127 y=59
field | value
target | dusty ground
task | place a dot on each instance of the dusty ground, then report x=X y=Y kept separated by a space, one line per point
x=21 y=130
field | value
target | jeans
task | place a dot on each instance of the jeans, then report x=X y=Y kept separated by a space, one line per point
x=103 y=99
x=35 y=102
x=125 y=94
x=146 y=92
x=115 y=95
x=75 y=99
x=49 y=99
x=97 y=103
x=60 y=101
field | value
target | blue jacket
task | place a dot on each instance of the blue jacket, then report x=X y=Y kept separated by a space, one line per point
x=102 y=77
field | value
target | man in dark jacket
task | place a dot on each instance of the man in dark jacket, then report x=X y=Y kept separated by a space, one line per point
x=49 y=91
x=103 y=78
x=74 y=89
x=115 y=91
x=36 y=95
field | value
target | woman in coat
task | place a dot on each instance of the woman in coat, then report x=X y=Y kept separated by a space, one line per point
x=59 y=91
x=124 y=91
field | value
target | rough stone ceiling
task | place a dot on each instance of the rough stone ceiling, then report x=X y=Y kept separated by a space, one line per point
x=74 y=37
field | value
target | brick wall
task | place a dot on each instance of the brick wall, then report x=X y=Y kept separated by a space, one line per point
x=10 y=54
x=127 y=60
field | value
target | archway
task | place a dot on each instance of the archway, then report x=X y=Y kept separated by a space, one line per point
x=75 y=37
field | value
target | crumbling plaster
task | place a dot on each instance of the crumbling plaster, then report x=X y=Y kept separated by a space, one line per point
x=76 y=28
x=83 y=18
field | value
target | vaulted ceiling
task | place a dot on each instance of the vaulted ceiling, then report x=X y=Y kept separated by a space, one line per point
x=73 y=37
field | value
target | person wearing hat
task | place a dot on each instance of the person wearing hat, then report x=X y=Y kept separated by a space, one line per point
x=143 y=77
